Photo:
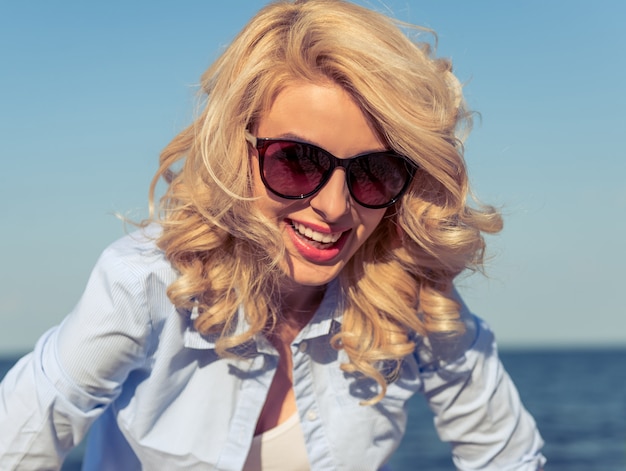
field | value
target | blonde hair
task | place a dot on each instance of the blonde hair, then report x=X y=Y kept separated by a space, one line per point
x=399 y=283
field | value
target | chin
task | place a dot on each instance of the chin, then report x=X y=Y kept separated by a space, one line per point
x=315 y=275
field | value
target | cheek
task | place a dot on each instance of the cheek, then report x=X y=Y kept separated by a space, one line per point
x=267 y=203
x=371 y=218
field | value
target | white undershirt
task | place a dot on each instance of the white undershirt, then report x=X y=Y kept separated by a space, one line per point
x=278 y=449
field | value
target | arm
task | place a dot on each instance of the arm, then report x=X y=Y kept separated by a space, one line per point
x=476 y=405
x=51 y=397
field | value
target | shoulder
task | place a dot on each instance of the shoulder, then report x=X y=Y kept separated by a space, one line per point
x=137 y=256
x=125 y=298
x=136 y=245
x=133 y=272
x=437 y=351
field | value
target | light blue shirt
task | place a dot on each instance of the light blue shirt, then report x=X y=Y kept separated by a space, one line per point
x=156 y=395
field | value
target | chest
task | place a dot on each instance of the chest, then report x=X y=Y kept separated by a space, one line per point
x=214 y=405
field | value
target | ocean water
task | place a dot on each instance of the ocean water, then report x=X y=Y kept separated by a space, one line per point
x=578 y=398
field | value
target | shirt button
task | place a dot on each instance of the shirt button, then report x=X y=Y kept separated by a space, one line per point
x=303 y=346
x=311 y=415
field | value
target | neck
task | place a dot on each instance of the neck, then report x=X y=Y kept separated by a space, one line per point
x=297 y=307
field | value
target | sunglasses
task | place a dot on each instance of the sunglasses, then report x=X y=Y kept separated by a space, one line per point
x=296 y=170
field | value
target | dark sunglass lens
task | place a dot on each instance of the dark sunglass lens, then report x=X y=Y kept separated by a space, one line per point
x=377 y=179
x=292 y=168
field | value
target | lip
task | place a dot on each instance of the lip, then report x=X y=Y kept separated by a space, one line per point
x=314 y=253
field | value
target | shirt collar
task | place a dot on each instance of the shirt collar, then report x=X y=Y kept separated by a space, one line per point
x=330 y=309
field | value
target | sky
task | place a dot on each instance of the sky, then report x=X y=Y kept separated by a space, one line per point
x=90 y=92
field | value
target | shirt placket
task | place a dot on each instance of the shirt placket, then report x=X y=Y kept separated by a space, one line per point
x=253 y=394
x=309 y=409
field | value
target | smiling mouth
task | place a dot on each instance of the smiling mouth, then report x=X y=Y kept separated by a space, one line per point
x=318 y=239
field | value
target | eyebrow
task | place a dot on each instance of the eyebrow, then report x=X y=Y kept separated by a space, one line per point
x=298 y=138
x=295 y=137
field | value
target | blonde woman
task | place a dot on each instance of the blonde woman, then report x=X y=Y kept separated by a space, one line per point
x=294 y=286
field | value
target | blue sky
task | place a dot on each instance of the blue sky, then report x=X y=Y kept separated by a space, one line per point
x=91 y=91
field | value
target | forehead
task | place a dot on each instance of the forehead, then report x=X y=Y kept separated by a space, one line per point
x=323 y=114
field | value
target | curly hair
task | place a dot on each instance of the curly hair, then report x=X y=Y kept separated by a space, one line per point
x=399 y=283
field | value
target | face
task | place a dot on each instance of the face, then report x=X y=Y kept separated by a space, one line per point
x=323 y=231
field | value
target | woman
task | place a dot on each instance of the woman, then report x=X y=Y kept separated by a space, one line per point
x=296 y=286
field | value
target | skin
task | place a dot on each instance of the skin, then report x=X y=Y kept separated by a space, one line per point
x=325 y=115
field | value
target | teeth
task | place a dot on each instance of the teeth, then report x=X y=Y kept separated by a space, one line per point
x=316 y=236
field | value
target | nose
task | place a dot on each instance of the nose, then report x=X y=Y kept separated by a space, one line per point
x=333 y=201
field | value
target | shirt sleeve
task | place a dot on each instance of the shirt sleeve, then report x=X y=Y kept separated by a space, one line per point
x=477 y=407
x=51 y=396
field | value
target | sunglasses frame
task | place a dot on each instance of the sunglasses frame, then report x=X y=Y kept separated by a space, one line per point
x=335 y=162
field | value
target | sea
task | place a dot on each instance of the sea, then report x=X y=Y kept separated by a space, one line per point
x=577 y=396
